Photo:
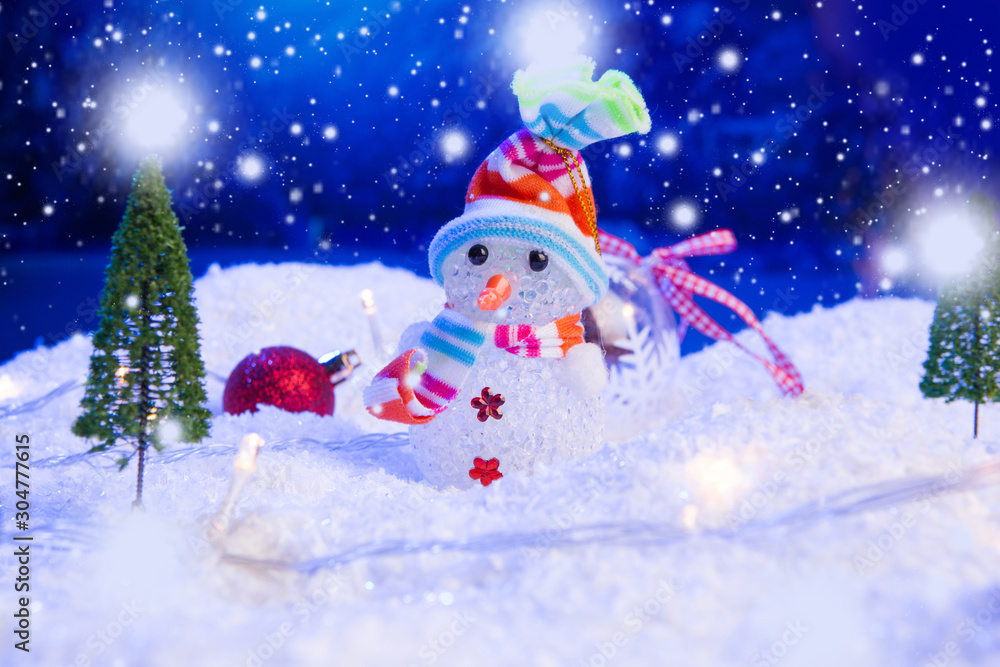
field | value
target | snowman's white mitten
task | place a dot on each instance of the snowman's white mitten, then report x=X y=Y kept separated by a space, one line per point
x=583 y=370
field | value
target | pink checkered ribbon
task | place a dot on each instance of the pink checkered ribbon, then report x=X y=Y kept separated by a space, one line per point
x=680 y=285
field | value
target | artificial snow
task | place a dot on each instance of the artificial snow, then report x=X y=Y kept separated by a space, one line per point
x=749 y=529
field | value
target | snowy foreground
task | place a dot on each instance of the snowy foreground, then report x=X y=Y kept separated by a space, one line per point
x=748 y=530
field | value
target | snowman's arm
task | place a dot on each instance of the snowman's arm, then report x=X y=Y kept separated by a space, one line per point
x=583 y=370
x=427 y=377
x=390 y=395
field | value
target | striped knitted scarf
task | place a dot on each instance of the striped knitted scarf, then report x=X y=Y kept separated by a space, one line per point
x=450 y=347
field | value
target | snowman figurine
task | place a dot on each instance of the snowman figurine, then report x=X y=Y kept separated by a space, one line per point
x=501 y=379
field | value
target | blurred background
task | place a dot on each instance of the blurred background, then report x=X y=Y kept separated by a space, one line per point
x=839 y=140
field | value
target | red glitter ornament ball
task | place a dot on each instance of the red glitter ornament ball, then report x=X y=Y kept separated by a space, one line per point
x=286 y=378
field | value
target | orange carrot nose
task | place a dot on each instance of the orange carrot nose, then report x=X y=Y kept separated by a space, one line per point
x=497 y=291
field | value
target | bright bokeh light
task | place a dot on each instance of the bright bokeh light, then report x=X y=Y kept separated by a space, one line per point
x=668 y=144
x=454 y=145
x=683 y=215
x=894 y=261
x=156 y=121
x=716 y=478
x=251 y=167
x=948 y=244
x=729 y=59
x=549 y=38
x=8 y=388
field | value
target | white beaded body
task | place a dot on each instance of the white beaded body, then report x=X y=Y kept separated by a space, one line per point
x=543 y=421
x=552 y=410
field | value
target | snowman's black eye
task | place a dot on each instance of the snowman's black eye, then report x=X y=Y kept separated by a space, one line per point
x=538 y=260
x=478 y=254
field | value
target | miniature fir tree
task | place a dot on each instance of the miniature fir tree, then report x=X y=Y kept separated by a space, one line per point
x=964 y=356
x=146 y=373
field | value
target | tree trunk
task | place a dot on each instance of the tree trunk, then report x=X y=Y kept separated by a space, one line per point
x=137 y=503
x=977 y=359
x=144 y=403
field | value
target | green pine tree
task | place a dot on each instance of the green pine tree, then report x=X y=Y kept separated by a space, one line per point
x=146 y=373
x=964 y=357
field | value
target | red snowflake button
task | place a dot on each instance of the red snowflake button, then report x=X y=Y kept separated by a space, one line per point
x=486 y=471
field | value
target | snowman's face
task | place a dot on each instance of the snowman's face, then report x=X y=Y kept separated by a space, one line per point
x=540 y=291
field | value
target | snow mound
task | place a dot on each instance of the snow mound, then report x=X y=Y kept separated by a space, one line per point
x=750 y=529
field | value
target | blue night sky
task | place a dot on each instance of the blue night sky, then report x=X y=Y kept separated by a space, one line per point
x=839 y=140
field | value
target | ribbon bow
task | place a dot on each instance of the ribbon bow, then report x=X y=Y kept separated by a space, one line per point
x=679 y=285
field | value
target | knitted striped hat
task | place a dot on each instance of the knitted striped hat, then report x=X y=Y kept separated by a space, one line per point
x=534 y=187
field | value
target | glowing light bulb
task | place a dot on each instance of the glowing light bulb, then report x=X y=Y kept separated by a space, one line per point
x=8 y=388
x=550 y=38
x=716 y=478
x=948 y=244
x=156 y=121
